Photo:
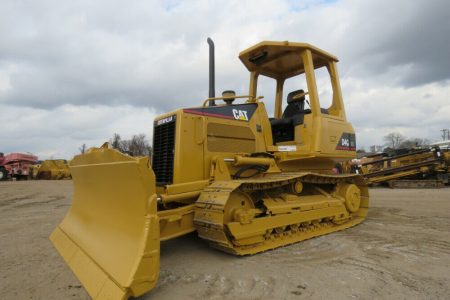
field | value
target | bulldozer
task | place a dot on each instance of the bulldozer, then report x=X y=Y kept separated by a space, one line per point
x=52 y=169
x=246 y=183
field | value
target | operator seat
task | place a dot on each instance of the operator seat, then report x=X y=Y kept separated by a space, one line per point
x=295 y=106
x=293 y=115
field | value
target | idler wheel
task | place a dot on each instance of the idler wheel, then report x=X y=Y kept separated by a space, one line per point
x=352 y=196
x=238 y=207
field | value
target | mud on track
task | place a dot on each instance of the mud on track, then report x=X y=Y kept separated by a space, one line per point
x=401 y=251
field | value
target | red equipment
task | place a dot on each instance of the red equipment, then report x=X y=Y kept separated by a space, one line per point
x=16 y=165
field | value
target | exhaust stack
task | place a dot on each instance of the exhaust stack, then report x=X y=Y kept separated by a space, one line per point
x=212 y=90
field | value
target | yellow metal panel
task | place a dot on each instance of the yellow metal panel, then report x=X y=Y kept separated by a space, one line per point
x=280 y=58
x=173 y=189
x=110 y=236
x=189 y=147
x=304 y=203
x=262 y=224
x=279 y=98
x=230 y=138
x=176 y=222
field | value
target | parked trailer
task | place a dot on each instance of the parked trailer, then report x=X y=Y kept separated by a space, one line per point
x=3 y=171
x=16 y=165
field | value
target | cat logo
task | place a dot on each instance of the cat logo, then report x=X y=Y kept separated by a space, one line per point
x=240 y=114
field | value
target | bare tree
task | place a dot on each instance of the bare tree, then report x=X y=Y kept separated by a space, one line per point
x=425 y=142
x=138 y=145
x=82 y=149
x=394 y=139
x=445 y=134
x=116 y=142
x=415 y=142
x=361 y=150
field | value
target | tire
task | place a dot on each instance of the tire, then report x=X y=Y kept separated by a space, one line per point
x=3 y=174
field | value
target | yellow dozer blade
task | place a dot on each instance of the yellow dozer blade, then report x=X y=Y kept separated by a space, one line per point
x=110 y=236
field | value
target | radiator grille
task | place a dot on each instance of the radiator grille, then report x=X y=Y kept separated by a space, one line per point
x=163 y=152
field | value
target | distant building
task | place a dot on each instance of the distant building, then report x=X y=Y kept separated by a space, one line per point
x=376 y=148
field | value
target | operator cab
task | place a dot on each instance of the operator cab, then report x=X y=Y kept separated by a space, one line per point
x=282 y=61
x=293 y=115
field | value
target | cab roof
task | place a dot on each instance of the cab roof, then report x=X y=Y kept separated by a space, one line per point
x=281 y=60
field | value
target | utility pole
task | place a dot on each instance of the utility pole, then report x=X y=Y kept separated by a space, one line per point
x=445 y=134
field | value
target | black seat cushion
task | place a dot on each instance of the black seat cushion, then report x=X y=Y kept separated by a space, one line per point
x=295 y=106
x=276 y=122
x=293 y=115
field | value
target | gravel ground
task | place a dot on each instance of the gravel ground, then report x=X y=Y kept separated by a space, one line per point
x=401 y=251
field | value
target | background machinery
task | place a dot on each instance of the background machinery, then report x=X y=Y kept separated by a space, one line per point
x=245 y=182
x=16 y=165
x=415 y=168
x=3 y=171
x=52 y=169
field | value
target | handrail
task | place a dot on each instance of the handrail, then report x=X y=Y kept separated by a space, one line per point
x=232 y=97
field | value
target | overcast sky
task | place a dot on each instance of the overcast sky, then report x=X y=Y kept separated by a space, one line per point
x=74 y=72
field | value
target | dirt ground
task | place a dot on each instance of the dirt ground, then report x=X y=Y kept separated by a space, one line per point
x=401 y=251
